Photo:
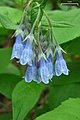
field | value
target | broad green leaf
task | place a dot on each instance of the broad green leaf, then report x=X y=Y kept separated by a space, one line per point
x=73 y=77
x=3 y=32
x=21 y=1
x=11 y=69
x=69 y=110
x=5 y=54
x=7 y=3
x=24 y=97
x=7 y=84
x=48 y=6
x=8 y=17
x=65 y=86
x=7 y=23
x=72 y=47
x=66 y=24
x=13 y=14
x=61 y=93
x=6 y=116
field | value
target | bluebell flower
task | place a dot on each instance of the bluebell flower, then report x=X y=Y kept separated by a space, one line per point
x=31 y=73
x=44 y=72
x=60 y=65
x=50 y=66
x=27 y=54
x=17 y=48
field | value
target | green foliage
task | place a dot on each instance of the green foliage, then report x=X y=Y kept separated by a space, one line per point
x=66 y=24
x=12 y=13
x=9 y=17
x=34 y=10
x=7 y=23
x=6 y=3
x=7 y=84
x=9 y=74
x=43 y=3
x=4 y=58
x=73 y=77
x=63 y=92
x=11 y=69
x=65 y=87
x=6 y=116
x=72 y=47
x=20 y=1
x=24 y=94
x=68 y=110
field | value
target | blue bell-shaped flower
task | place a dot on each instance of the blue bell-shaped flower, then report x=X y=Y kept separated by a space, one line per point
x=17 y=48
x=31 y=73
x=60 y=65
x=27 y=54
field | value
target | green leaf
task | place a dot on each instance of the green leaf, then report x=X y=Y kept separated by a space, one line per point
x=7 y=23
x=8 y=18
x=6 y=116
x=13 y=14
x=61 y=93
x=11 y=69
x=7 y=3
x=21 y=1
x=24 y=97
x=72 y=47
x=4 y=58
x=66 y=24
x=7 y=84
x=64 y=87
x=69 y=110
x=73 y=76
x=5 y=63
x=3 y=32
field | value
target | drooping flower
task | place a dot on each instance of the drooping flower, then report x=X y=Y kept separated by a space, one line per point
x=17 y=48
x=31 y=73
x=50 y=66
x=60 y=65
x=27 y=54
x=44 y=72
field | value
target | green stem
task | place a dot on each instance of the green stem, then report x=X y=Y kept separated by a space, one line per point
x=36 y=21
x=50 y=25
x=24 y=12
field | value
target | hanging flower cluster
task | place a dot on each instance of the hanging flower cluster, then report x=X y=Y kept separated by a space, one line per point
x=36 y=50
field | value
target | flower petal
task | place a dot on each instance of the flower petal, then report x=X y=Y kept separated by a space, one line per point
x=44 y=72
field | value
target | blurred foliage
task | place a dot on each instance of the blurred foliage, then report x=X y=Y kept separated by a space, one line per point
x=68 y=110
